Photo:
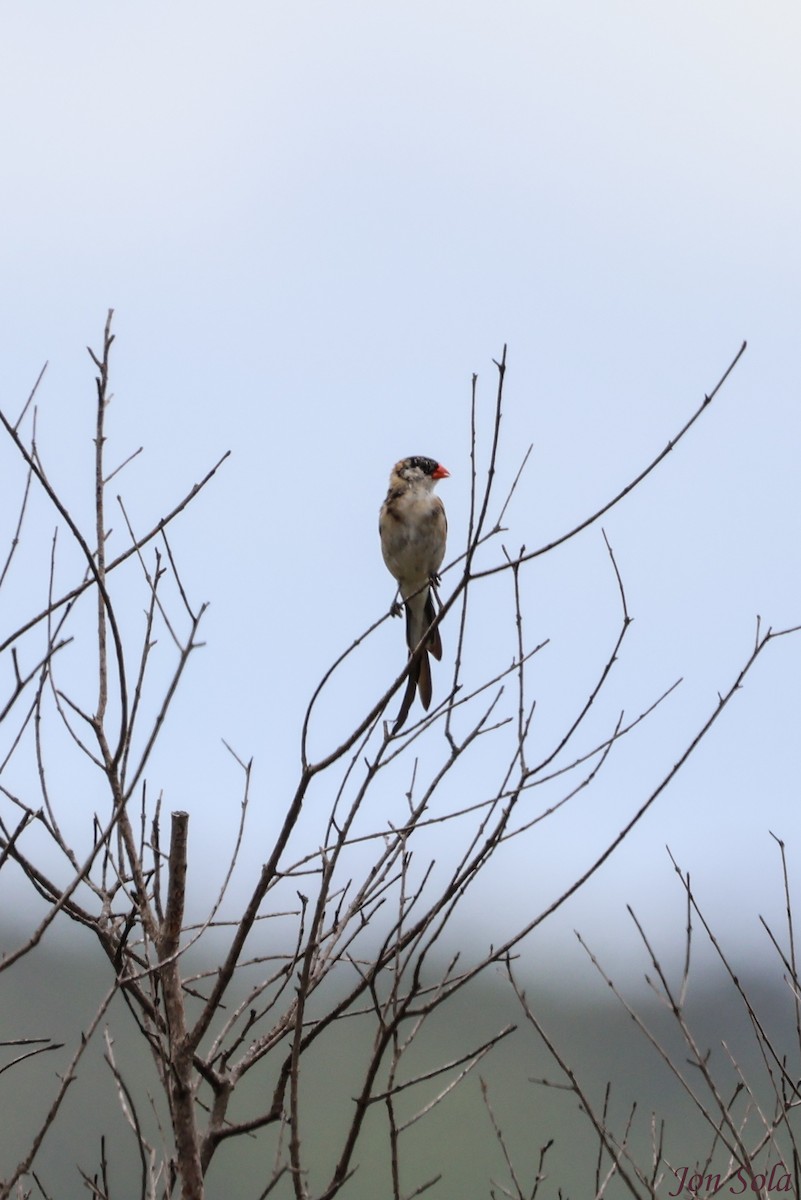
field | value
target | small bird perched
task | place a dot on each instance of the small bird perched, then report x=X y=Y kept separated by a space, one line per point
x=413 y=529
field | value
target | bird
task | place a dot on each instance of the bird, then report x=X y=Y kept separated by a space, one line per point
x=413 y=529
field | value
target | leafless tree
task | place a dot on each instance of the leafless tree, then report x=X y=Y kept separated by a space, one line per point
x=364 y=910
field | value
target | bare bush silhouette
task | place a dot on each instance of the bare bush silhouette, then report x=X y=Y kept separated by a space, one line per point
x=363 y=910
x=747 y=1110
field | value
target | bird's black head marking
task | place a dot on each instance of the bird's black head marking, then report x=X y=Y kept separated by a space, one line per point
x=427 y=465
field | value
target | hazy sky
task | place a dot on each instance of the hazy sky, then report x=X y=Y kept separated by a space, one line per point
x=314 y=222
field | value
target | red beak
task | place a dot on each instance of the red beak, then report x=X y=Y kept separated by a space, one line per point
x=440 y=473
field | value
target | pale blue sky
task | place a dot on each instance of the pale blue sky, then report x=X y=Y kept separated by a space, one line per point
x=314 y=223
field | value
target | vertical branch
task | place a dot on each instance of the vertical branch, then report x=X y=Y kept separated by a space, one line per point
x=523 y=722
x=478 y=513
x=496 y=434
x=471 y=524
x=180 y=1064
x=100 y=530
x=31 y=457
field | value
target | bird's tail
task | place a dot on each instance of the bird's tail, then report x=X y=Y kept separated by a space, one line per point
x=420 y=614
x=419 y=679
